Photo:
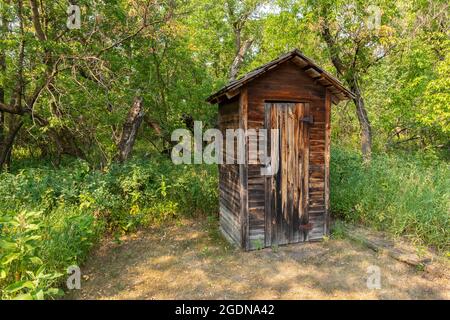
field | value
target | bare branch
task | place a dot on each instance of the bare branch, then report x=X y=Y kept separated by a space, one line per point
x=37 y=21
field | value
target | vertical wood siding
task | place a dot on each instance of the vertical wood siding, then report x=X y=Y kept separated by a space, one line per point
x=243 y=172
x=286 y=206
x=327 y=160
x=229 y=186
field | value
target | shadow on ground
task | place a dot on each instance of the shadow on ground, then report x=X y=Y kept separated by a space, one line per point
x=188 y=261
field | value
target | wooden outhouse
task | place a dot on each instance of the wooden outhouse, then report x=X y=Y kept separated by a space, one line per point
x=294 y=95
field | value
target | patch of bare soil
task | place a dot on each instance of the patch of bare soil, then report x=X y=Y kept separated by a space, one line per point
x=188 y=260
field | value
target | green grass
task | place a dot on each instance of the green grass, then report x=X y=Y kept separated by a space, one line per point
x=403 y=195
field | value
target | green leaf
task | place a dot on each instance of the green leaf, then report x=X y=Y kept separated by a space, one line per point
x=19 y=285
x=30 y=238
x=7 y=245
x=10 y=258
x=33 y=226
x=40 y=295
x=40 y=271
x=55 y=292
x=36 y=260
x=25 y=296
x=5 y=219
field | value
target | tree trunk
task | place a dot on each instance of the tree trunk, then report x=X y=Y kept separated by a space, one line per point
x=239 y=58
x=4 y=29
x=5 y=152
x=2 y=100
x=349 y=74
x=2 y=121
x=364 y=123
x=130 y=129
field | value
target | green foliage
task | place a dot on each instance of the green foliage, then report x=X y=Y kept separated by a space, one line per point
x=400 y=194
x=258 y=244
x=338 y=230
x=435 y=111
x=21 y=267
x=49 y=219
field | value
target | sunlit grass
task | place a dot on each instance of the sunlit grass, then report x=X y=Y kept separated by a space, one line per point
x=402 y=195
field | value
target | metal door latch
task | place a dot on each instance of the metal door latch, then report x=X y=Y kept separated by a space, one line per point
x=308 y=120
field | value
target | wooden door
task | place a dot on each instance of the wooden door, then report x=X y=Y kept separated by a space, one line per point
x=287 y=190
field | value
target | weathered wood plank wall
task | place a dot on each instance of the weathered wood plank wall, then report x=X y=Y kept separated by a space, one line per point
x=243 y=172
x=288 y=83
x=327 y=160
x=229 y=184
x=288 y=188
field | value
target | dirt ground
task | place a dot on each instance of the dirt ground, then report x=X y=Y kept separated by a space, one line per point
x=189 y=260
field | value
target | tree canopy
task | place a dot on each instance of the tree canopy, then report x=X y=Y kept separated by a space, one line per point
x=67 y=90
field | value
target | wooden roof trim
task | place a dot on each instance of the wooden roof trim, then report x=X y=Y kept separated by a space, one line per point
x=299 y=61
x=313 y=73
x=311 y=68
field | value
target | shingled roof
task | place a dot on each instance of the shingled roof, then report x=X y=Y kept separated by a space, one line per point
x=309 y=66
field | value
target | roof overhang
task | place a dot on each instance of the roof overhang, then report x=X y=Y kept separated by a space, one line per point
x=337 y=89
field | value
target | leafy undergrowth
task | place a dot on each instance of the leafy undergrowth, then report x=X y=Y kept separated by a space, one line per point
x=404 y=196
x=50 y=219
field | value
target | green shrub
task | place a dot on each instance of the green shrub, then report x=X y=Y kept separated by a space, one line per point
x=401 y=194
x=51 y=218
x=21 y=268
